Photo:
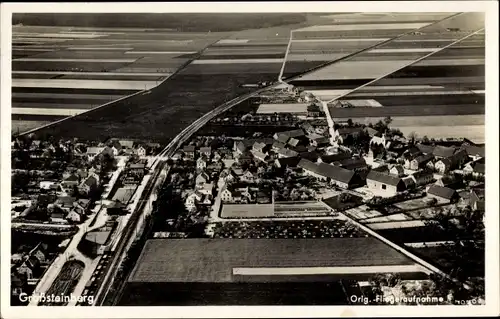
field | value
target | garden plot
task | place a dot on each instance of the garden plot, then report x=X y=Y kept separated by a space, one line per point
x=388 y=218
x=362 y=212
x=397 y=224
x=412 y=204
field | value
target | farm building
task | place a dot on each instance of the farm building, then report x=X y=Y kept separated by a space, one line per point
x=334 y=158
x=442 y=194
x=287 y=162
x=338 y=176
x=233 y=271
x=388 y=184
x=397 y=170
x=422 y=177
x=419 y=162
x=475 y=169
x=293 y=108
x=443 y=151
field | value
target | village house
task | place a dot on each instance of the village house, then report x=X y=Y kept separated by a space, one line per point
x=263 y=157
x=443 y=165
x=475 y=169
x=476 y=200
x=442 y=194
x=126 y=144
x=333 y=158
x=341 y=134
x=409 y=182
x=443 y=151
x=287 y=162
x=201 y=163
x=88 y=185
x=206 y=151
x=189 y=151
x=259 y=147
x=205 y=189
x=308 y=128
x=57 y=216
x=245 y=158
x=381 y=140
x=285 y=152
x=247 y=177
x=387 y=184
x=192 y=199
x=76 y=215
x=474 y=152
x=449 y=181
x=240 y=147
x=92 y=152
x=202 y=178
x=353 y=164
x=397 y=170
x=141 y=151
x=422 y=177
x=313 y=110
x=214 y=167
x=216 y=157
x=30 y=268
x=65 y=203
x=371 y=131
x=276 y=146
x=382 y=169
x=419 y=162
x=70 y=183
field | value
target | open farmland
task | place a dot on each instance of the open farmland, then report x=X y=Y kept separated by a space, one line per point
x=448 y=84
x=72 y=56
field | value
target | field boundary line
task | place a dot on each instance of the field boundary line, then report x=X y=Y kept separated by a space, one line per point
x=350 y=55
x=406 y=65
x=424 y=264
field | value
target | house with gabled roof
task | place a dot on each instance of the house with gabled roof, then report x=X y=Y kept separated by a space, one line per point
x=88 y=185
x=189 y=151
x=442 y=194
x=333 y=158
x=424 y=148
x=397 y=170
x=263 y=157
x=387 y=184
x=206 y=151
x=474 y=152
x=285 y=152
x=443 y=151
x=201 y=163
x=419 y=162
x=287 y=162
x=443 y=165
x=338 y=176
x=202 y=178
x=476 y=168
x=422 y=177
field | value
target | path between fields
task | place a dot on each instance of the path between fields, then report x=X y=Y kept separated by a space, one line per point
x=243 y=271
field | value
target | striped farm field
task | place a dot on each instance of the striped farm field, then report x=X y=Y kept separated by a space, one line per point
x=370 y=26
x=75 y=60
x=85 y=84
x=44 y=104
x=47 y=111
x=67 y=66
x=66 y=96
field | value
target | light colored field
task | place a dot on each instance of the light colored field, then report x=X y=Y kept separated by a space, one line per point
x=413 y=93
x=409 y=50
x=233 y=41
x=475 y=133
x=235 y=61
x=160 y=52
x=314 y=57
x=84 y=84
x=429 y=121
x=293 y=271
x=40 y=111
x=389 y=218
x=364 y=103
x=41 y=40
x=401 y=87
x=23 y=48
x=282 y=108
x=354 y=70
x=451 y=62
x=146 y=70
x=342 y=40
x=99 y=48
x=321 y=93
x=95 y=73
x=65 y=96
x=59 y=35
x=35 y=105
x=376 y=26
x=23 y=126
x=74 y=60
x=399 y=224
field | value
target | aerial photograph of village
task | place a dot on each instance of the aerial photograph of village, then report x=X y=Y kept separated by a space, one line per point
x=196 y=159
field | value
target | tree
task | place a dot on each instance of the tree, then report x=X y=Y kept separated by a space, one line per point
x=387 y=121
x=349 y=122
x=412 y=136
x=425 y=139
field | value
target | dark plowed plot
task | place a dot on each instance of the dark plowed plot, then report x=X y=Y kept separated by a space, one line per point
x=409 y=110
x=67 y=66
x=73 y=91
x=439 y=71
x=33 y=76
x=415 y=234
x=232 y=68
x=453 y=52
x=242 y=56
x=162 y=114
x=84 y=54
x=189 y=22
x=114 y=77
x=198 y=294
x=430 y=81
x=34 y=117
